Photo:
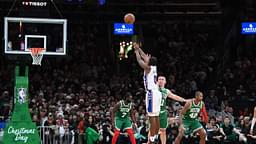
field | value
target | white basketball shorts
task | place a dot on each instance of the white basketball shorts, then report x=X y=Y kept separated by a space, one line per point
x=153 y=102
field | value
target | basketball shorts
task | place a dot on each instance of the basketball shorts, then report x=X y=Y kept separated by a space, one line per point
x=123 y=124
x=153 y=102
x=191 y=126
x=163 y=119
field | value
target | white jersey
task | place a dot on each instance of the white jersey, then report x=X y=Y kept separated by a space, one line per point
x=150 y=79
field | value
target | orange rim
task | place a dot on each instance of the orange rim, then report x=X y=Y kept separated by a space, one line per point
x=36 y=51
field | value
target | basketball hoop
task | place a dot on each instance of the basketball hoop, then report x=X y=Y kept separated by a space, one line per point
x=37 y=55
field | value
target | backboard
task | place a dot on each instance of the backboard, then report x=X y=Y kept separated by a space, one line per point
x=20 y=34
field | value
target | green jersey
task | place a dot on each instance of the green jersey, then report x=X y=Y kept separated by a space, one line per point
x=124 y=110
x=193 y=111
x=164 y=93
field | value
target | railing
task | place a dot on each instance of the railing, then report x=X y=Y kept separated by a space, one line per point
x=56 y=135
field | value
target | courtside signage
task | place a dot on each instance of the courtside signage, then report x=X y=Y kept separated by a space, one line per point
x=248 y=28
x=123 y=29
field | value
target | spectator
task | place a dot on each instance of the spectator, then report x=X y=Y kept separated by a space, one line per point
x=245 y=127
x=212 y=99
x=36 y=120
x=91 y=134
x=80 y=127
x=228 y=112
x=172 y=130
x=62 y=127
x=49 y=125
x=229 y=132
x=143 y=131
x=213 y=133
x=107 y=133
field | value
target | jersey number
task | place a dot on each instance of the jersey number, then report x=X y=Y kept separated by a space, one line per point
x=123 y=115
x=162 y=102
x=193 y=115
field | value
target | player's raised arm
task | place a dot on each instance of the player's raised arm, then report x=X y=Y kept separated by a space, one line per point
x=141 y=62
x=142 y=54
x=175 y=97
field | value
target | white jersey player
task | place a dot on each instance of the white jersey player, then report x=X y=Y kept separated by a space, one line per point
x=153 y=96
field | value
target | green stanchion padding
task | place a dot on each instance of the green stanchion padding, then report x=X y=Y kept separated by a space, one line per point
x=21 y=129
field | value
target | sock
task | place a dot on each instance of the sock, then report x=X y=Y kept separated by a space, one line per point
x=152 y=138
x=116 y=134
x=131 y=135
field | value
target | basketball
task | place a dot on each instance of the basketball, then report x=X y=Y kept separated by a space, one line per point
x=129 y=18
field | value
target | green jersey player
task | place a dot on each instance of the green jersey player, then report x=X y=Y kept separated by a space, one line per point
x=161 y=81
x=189 y=118
x=122 y=115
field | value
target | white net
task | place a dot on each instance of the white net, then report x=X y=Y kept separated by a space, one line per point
x=37 y=55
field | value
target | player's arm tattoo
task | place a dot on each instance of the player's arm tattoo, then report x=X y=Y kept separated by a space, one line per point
x=140 y=61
